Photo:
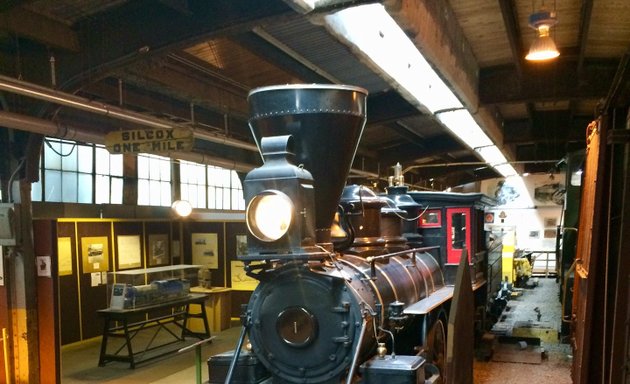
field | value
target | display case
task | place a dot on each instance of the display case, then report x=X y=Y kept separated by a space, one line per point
x=147 y=286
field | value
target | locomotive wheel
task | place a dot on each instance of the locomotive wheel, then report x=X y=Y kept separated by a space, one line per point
x=436 y=347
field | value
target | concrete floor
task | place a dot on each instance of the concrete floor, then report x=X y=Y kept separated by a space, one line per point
x=80 y=364
x=520 y=313
x=80 y=361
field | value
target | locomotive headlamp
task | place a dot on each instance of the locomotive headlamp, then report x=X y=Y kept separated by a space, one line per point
x=269 y=215
x=280 y=206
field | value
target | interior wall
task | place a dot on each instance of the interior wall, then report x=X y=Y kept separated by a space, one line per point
x=83 y=277
x=531 y=206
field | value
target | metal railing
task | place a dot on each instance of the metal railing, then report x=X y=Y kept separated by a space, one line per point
x=543 y=263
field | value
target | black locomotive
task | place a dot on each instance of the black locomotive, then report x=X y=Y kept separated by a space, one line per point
x=366 y=301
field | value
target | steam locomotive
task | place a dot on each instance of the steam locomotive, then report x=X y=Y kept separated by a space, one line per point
x=349 y=290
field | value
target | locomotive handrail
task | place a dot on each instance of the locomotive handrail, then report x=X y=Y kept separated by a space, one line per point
x=372 y=259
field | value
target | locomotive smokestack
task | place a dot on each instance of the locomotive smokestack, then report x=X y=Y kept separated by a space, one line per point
x=326 y=122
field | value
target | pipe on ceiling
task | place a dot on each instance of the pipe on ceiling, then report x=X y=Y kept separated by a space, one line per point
x=44 y=127
x=62 y=131
x=24 y=88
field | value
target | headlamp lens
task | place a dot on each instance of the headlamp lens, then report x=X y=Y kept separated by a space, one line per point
x=269 y=215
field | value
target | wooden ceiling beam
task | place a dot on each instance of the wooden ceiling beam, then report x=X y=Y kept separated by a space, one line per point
x=510 y=19
x=268 y=52
x=552 y=126
x=184 y=84
x=386 y=107
x=551 y=82
x=436 y=147
x=49 y=32
x=143 y=29
x=585 y=22
x=143 y=100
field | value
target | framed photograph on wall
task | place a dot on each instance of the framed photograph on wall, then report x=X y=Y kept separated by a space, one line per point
x=205 y=250
x=129 y=251
x=95 y=254
x=550 y=222
x=241 y=245
x=158 y=252
x=64 y=256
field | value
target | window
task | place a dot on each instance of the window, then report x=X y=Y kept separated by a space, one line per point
x=108 y=179
x=458 y=230
x=431 y=218
x=193 y=183
x=154 y=180
x=67 y=174
x=207 y=186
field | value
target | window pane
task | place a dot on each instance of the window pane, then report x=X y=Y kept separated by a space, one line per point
x=236 y=196
x=165 y=194
x=102 y=161
x=116 y=196
x=154 y=192
x=53 y=185
x=184 y=172
x=102 y=189
x=154 y=169
x=236 y=182
x=36 y=191
x=218 y=202
x=212 y=198
x=226 y=199
x=143 y=192
x=143 y=167
x=213 y=177
x=85 y=188
x=69 y=159
x=69 y=187
x=201 y=196
x=85 y=155
x=52 y=159
x=165 y=170
x=225 y=178
x=458 y=228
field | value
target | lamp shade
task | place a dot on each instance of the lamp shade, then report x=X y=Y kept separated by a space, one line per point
x=543 y=47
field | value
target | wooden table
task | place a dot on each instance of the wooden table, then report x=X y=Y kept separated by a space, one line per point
x=218 y=306
x=179 y=316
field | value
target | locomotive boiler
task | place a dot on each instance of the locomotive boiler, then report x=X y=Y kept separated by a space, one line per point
x=357 y=304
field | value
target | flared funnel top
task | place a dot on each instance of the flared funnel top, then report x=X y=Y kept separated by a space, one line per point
x=326 y=122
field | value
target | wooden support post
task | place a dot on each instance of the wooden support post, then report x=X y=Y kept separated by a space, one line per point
x=23 y=296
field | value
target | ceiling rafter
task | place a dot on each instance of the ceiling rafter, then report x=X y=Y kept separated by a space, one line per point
x=510 y=19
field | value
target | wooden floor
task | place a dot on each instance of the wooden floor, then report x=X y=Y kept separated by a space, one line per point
x=80 y=361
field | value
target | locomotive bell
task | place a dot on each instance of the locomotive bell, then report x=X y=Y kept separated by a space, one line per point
x=280 y=212
x=326 y=122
